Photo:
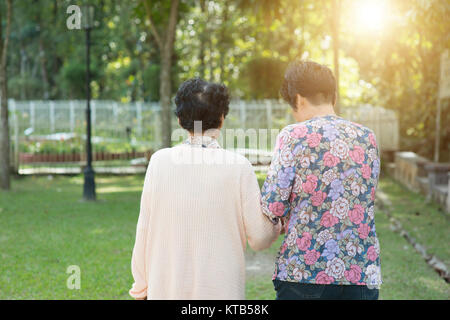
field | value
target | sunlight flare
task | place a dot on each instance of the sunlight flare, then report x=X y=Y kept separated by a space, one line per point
x=371 y=15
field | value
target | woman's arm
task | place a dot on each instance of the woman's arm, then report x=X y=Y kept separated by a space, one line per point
x=280 y=180
x=260 y=231
x=138 y=260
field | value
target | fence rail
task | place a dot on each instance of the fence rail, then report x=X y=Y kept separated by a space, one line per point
x=137 y=125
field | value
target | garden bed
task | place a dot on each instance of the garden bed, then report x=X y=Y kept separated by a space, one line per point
x=26 y=158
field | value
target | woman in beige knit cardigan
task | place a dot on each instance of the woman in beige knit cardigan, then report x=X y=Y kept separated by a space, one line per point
x=200 y=204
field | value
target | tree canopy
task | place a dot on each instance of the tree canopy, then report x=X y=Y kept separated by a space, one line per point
x=389 y=57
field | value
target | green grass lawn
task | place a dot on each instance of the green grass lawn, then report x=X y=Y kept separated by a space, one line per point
x=424 y=221
x=45 y=228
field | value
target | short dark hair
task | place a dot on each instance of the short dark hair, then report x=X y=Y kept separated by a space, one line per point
x=311 y=80
x=200 y=100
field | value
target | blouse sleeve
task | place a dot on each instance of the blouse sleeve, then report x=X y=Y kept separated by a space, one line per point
x=260 y=231
x=138 y=261
x=280 y=179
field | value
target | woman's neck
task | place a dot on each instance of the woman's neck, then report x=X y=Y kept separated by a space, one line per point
x=210 y=133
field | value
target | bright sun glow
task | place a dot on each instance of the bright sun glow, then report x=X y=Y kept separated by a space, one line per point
x=371 y=15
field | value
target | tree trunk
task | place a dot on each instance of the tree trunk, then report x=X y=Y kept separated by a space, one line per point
x=335 y=35
x=4 y=134
x=42 y=55
x=201 y=55
x=4 y=127
x=165 y=91
x=23 y=71
x=210 y=61
x=223 y=44
x=210 y=30
x=44 y=73
x=165 y=76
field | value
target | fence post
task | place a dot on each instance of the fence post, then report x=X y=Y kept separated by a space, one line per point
x=377 y=111
x=395 y=130
x=72 y=116
x=32 y=113
x=156 y=115
x=115 y=112
x=52 y=116
x=269 y=114
x=93 y=114
x=139 y=118
x=288 y=116
x=243 y=114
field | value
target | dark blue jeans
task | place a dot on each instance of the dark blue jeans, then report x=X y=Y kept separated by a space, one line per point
x=303 y=291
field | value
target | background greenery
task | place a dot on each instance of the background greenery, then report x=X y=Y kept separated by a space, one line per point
x=244 y=43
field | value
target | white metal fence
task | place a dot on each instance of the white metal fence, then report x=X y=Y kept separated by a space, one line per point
x=111 y=119
x=140 y=122
x=383 y=122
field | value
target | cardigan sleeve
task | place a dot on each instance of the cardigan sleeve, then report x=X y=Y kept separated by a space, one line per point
x=260 y=231
x=138 y=260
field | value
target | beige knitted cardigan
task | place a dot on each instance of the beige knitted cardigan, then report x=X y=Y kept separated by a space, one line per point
x=199 y=206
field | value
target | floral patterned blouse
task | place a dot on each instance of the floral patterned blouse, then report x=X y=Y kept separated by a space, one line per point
x=322 y=183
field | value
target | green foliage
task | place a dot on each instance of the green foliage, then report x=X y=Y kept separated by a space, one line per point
x=243 y=43
x=264 y=77
x=51 y=147
x=24 y=86
x=76 y=145
x=151 y=82
x=402 y=64
x=73 y=75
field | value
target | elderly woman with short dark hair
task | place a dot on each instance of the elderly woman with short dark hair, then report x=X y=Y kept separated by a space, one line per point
x=200 y=204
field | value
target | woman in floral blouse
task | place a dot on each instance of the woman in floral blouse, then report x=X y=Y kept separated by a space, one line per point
x=322 y=183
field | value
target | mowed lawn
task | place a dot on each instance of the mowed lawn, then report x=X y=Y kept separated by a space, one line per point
x=45 y=228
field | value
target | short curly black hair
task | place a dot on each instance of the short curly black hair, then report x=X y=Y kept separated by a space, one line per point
x=200 y=100
x=311 y=80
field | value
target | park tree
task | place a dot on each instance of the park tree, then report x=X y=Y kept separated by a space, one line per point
x=165 y=39
x=335 y=19
x=4 y=125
